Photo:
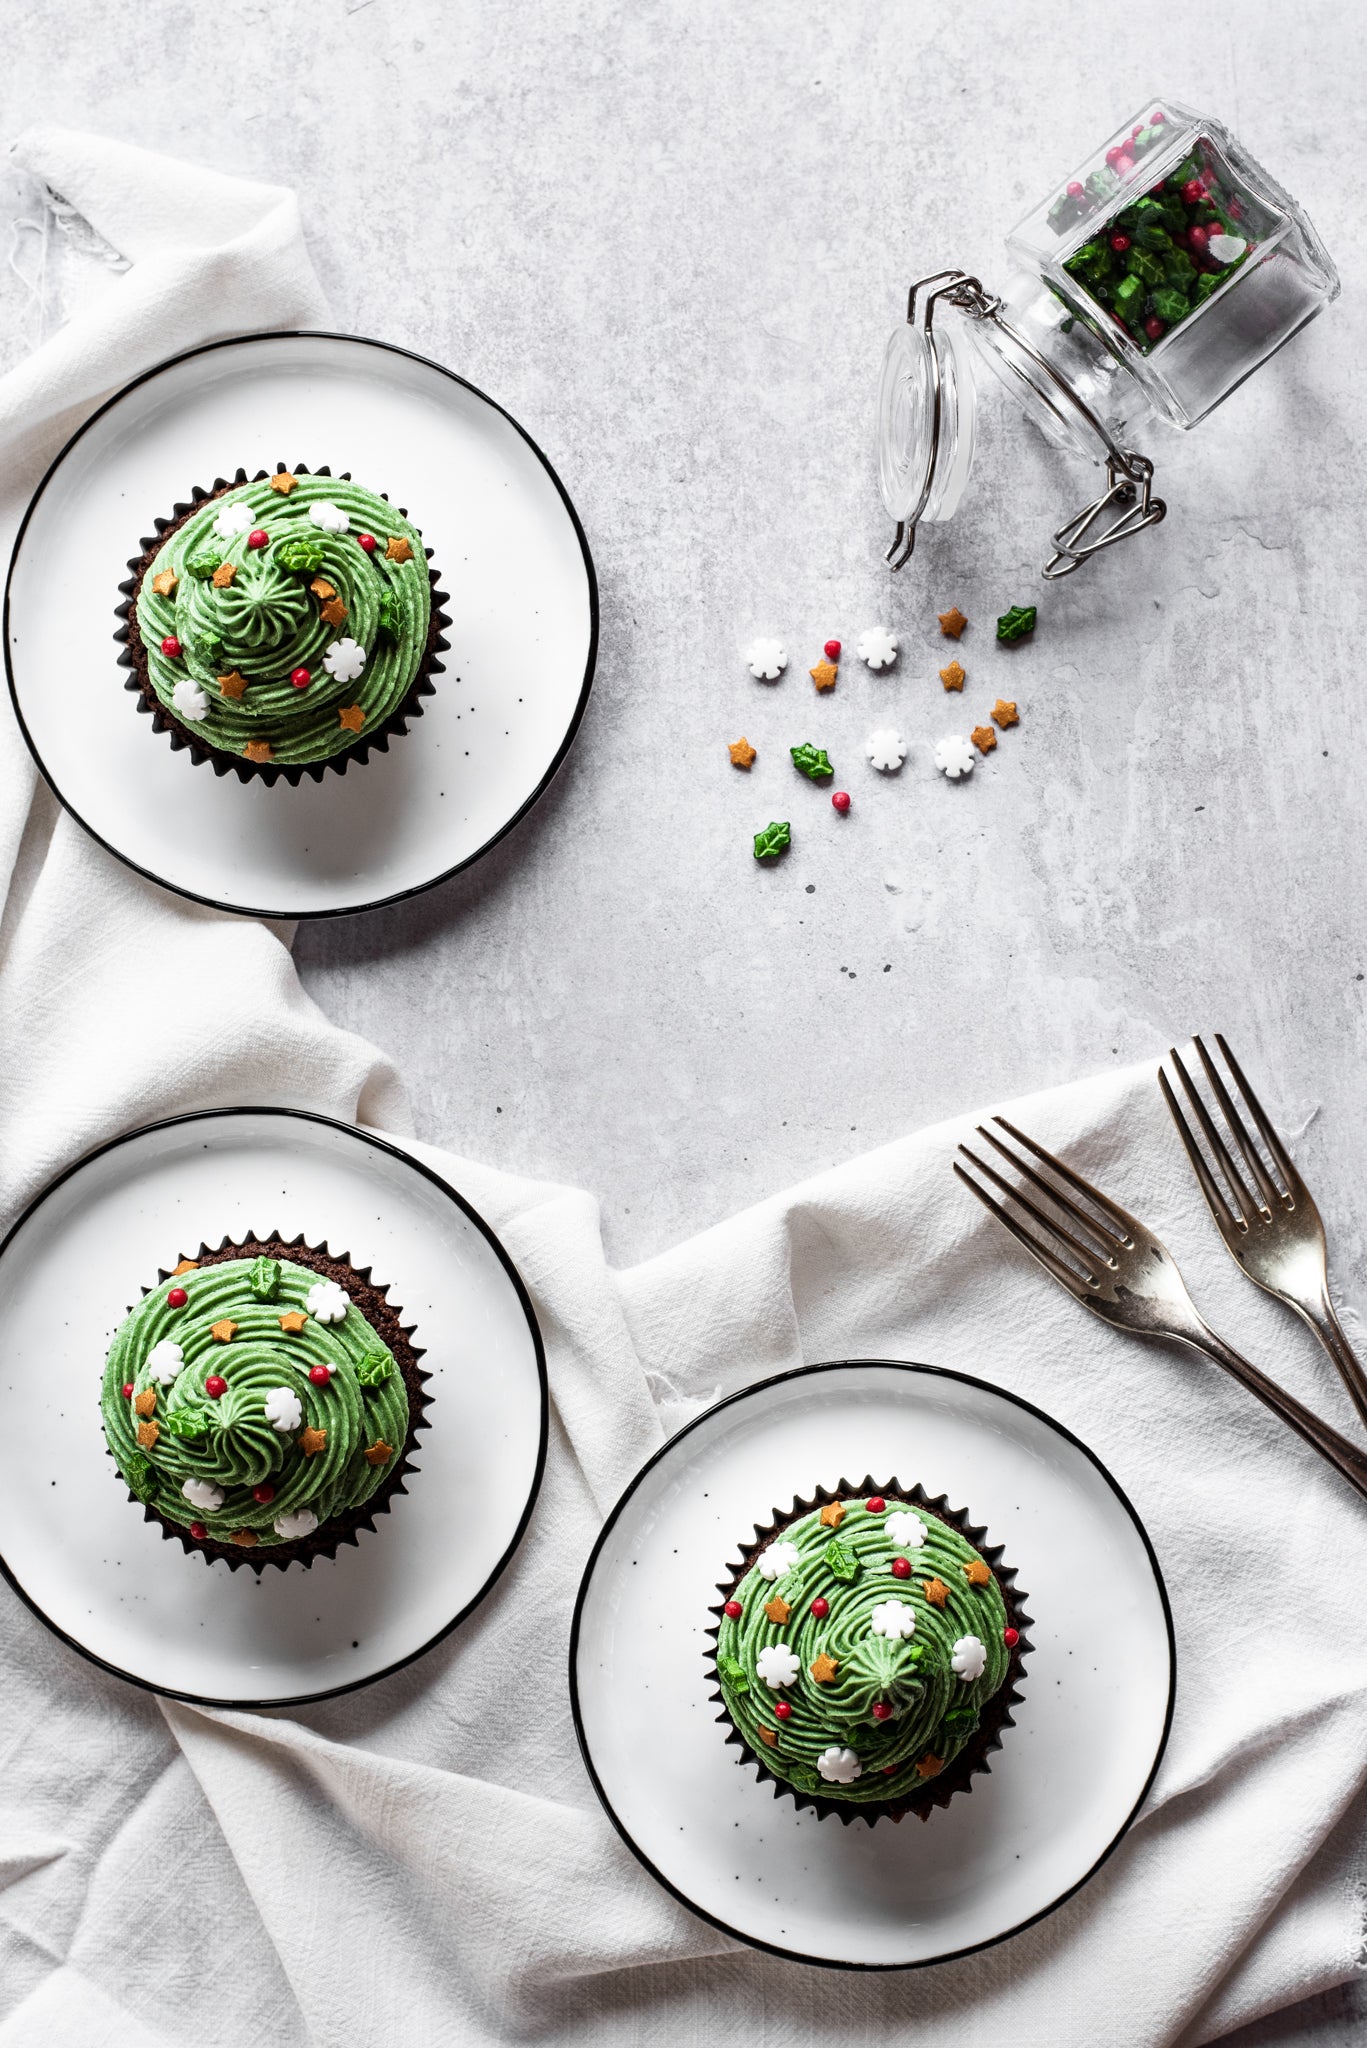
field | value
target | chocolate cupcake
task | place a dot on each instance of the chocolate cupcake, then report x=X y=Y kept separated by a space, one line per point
x=283 y=626
x=262 y=1402
x=868 y=1650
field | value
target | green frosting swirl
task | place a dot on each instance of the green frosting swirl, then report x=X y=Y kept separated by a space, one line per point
x=926 y=1710
x=266 y=623
x=231 y=1442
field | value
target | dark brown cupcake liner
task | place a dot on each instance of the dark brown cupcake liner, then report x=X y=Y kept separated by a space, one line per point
x=134 y=658
x=370 y=1300
x=974 y=1759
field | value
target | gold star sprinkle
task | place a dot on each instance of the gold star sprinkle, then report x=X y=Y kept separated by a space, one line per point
x=258 y=750
x=333 y=612
x=283 y=482
x=148 y=1432
x=224 y=574
x=165 y=582
x=978 y=1573
x=294 y=1322
x=833 y=1514
x=312 y=1441
x=379 y=1452
x=353 y=718
x=930 y=1766
x=1005 y=714
x=936 y=1591
x=224 y=1332
x=741 y=752
x=186 y=1266
x=769 y=1736
x=983 y=738
x=397 y=549
x=322 y=588
x=146 y=1402
x=824 y=1669
x=953 y=676
x=778 y=1610
x=952 y=623
x=232 y=685
x=245 y=1537
x=824 y=675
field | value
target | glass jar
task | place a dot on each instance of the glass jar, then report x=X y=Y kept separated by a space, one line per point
x=1146 y=288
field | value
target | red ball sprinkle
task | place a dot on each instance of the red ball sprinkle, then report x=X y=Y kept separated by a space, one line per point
x=888 y=1770
x=875 y=1504
x=901 y=1567
x=366 y=541
x=841 y=800
x=128 y=1390
x=881 y=1710
x=215 y=1386
x=320 y=1374
x=1197 y=237
x=1125 y=166
x=1076 y=189
x=1114 y=154
x=1010 y=1638
x=171 y=647
x=1157 y=120
x=821 y=1608
x=258 y=537
x=782 y=1710
x=301 y=678
x=732 y=1610
x=832 y=650
x=1137 y=130
x=264 y=1493
x=198 y=1531
x=1120 y=243
x=1154 y=327
x=1193 y=191
x=177 y=1298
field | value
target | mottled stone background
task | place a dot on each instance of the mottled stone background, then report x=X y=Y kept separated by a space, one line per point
x=672 y=240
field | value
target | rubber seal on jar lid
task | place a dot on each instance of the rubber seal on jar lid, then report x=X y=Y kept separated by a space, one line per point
x=927 y=418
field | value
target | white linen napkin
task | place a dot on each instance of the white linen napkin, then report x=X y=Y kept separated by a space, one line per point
x=425 y=1861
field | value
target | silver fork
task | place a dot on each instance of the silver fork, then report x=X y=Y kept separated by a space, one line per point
x=1114 y=1266
x=1274 y=1233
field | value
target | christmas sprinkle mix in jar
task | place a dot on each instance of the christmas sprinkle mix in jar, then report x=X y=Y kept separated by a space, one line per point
x=1147 y=287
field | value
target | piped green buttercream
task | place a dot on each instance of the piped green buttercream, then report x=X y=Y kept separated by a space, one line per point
x=266 y=623
x=231 y=1442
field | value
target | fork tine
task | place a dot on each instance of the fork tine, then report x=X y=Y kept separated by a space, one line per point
x=1083 y=1252
x=1107 y=1237
x=1052 y=1264
x=1210 y=1187
x=1270 y=1191
x=1247 y=1201
x=1128 y=1224
x=1280 y=1157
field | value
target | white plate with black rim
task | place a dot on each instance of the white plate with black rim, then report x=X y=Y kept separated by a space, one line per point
x=115 y=1586
x=1073 y=1770
x=508 y=550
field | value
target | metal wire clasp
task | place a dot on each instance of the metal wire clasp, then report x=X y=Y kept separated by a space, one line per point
x=1129 y=476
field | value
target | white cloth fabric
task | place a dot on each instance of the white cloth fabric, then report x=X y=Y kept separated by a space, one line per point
x=425 y=1861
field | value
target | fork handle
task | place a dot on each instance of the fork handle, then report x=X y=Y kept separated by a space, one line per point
x=1329 y=1330
x=1321 y=1436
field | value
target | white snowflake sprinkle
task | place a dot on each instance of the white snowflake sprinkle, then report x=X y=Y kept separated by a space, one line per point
x=189 y=701
x=878 y=647
x=292 y=1527
x=1226 y=248
x=894 y=1619
x=326 y=1302
x=284 y=1410
x=344 y=660
x=954 y=756
x=969 y=1659
x=886 y=749
x=203 y=1494
x=777 y=1666
x=839 y=1766
x=331 y=518
x=776 y=1560
x=234 y=519
x=164 y=1362
x=905 y=1531
x=767 y=659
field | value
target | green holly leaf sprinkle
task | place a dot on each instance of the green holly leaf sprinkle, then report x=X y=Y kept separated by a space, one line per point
x=1016 y=623
x=299 y=554
x=264 y=1278
x=375 y=1368
x=804 y=1777
x=959 y=1721
x=202 y=565
x=190 y=1423
x=389 y=614
x=840 y=1563
x=1171 y=306
x=209 y=648
x=772 y=841
x=732 y=1674
x=139 y=1475
x=813 y=761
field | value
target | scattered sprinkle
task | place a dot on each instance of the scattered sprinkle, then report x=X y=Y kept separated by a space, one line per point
x=886 y=749
x=811 y=761
x=232 y=685
x=741 y=752
x=283 y=482
x=223 y=575
x=954 y=756
x=352 y=718
x=224 y=1332
x=1016 y=623
x=1004 y=712
x=258 y=750
x=398 y=549
x=953 y=676
x=165 y=582
x=824 y=675
x=878 y=647
x=952 y=623
x=984 y=739
x=767 y=660
x=773 y=840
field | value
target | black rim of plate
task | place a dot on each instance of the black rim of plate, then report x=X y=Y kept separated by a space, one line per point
x=472 y=1215
x=748 y=1394
x=571 y=730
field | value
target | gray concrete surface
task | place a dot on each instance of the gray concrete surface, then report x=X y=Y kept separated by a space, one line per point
x=672 y=239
